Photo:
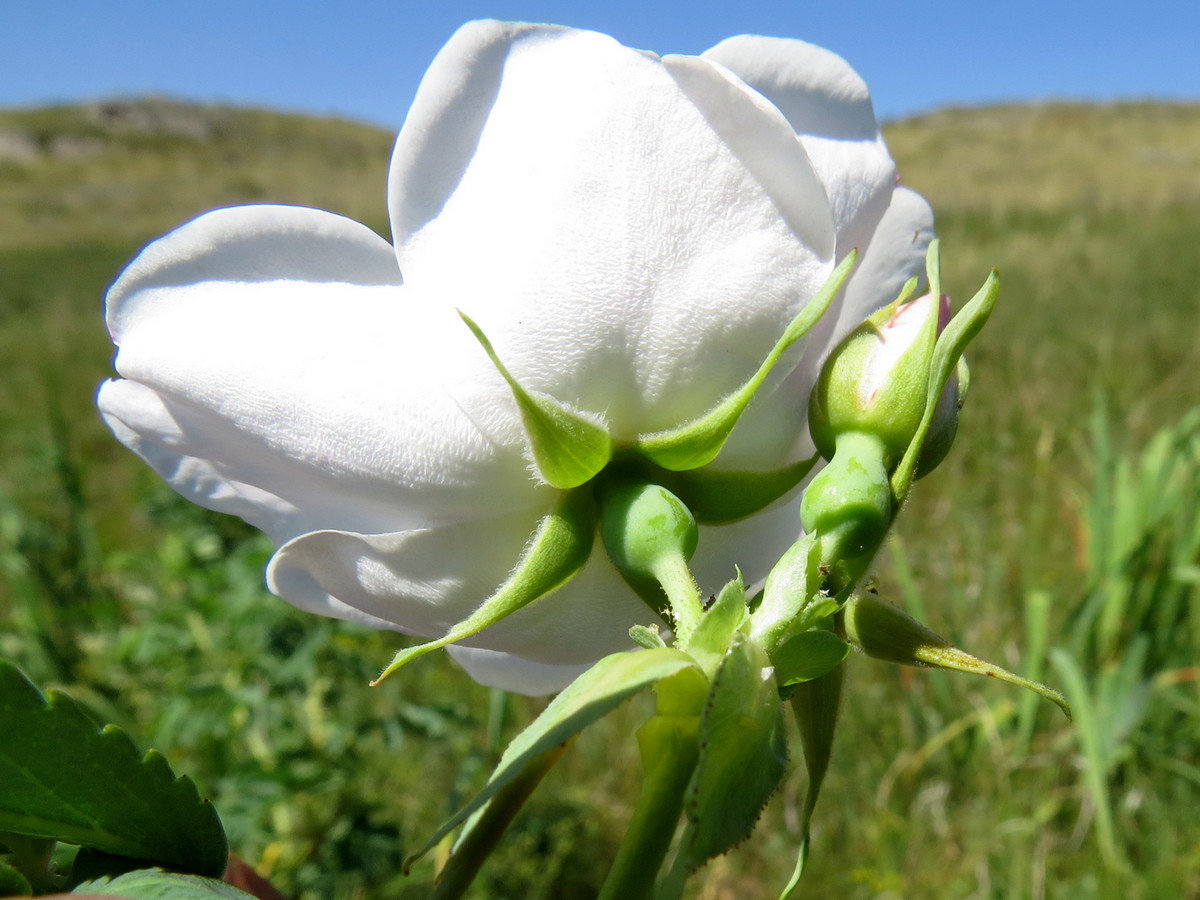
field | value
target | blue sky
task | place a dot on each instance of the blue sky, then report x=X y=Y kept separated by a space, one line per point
x=363 y=58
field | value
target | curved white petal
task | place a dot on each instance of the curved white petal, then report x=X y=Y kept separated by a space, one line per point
x=424 y=579
x=593 y=209
x=896 y=253
x=511 y=673
x=830 y=109
x=429 y=579
x=278 y=370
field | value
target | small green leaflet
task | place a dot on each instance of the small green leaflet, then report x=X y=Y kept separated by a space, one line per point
x=64 y=778
x=155 y=884
x=808 y=655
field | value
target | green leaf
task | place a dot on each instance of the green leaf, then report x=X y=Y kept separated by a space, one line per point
x=569 y=446
x=589 y=697
x=155 y=884
x=697 y=443
x=946 y=353
x=63 y=778
x=560 y=546
x=708 y=643
x=808 y=655
x=743 y=755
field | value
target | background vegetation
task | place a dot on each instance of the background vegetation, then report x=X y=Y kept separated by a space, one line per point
x=1062 y=538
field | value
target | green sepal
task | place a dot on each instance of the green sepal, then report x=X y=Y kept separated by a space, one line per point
x=743 y=756
x=884 y=631
x=837 y=404
x=588 y=698
x=808 y=655
x=961 y=330
x=569 y=447
x=155 y=884
x=697 y=443
x=67 y=779
x=560 y=546
x=816 y=704
x=718 y=498
x=712 y=637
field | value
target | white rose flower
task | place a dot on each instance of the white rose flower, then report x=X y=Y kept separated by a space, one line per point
x=632 y=233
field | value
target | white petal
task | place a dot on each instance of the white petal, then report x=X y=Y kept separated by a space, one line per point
x=830 y=109
x=423 y=580
x=511 y=673
x=279 y=371
x=896 y=253
x=595 y=211
x=426 y=580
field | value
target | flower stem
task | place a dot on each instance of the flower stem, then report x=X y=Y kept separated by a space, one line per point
x=683 y=595
x=484 y=833
x=670 y=747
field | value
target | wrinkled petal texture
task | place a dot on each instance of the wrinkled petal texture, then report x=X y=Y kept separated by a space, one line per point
x=277 y=371
x=632 y=233
x=829 y=106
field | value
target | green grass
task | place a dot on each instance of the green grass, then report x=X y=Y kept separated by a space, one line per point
x=153 y=611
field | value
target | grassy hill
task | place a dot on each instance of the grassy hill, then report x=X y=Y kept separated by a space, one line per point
x=942 y=787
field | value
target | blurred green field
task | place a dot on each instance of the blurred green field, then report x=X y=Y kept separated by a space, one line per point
x=1061 y=538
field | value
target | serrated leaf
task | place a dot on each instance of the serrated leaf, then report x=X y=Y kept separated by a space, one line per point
x=808 y=655
x=592 y=695
x=64 y=778
x=743 y=755
x=155 y=884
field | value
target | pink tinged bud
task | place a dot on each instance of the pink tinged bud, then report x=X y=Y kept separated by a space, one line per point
x=876 y=382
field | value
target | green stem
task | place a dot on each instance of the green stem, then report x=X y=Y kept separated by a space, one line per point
x=669 y=748
x=484 y=833
x=683 y=595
